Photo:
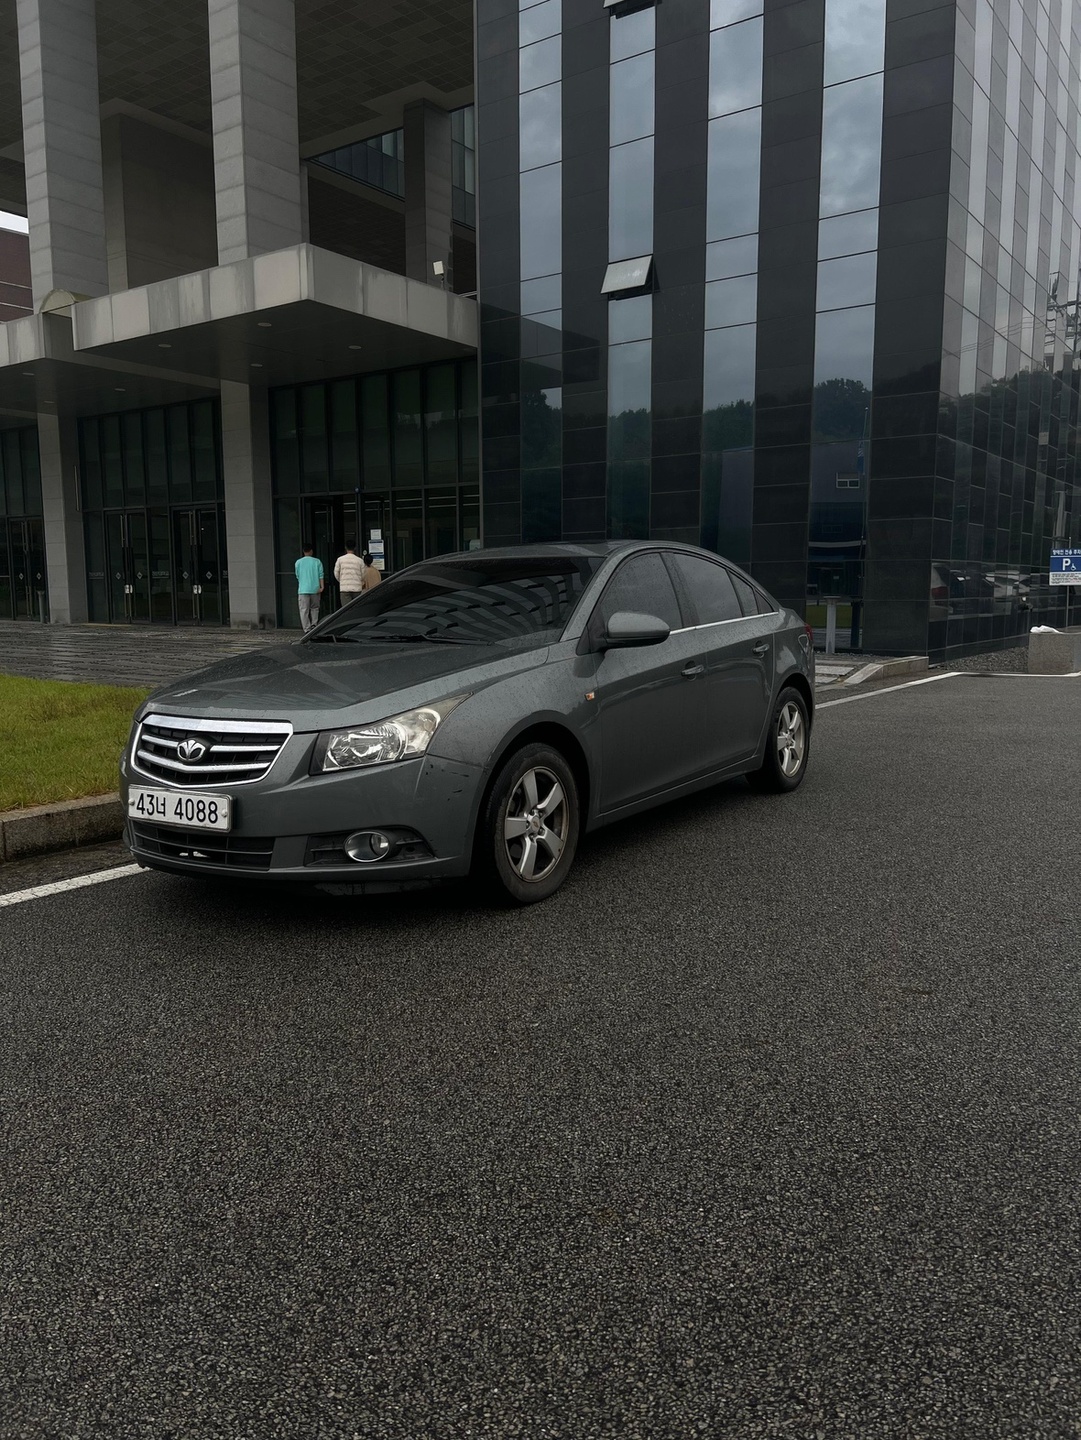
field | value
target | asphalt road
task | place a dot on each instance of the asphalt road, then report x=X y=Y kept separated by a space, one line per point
x=766 y=1125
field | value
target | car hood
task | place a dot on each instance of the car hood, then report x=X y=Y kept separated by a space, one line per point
x=315 y=685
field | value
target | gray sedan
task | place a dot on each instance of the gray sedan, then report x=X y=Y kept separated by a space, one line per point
x=474 y=714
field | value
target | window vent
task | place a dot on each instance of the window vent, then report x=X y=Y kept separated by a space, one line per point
x=628 y=275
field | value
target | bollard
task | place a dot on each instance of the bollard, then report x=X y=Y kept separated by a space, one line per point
x=831 y=627
x=41 y=606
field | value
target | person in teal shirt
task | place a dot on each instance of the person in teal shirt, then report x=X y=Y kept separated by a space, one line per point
x=309 y=573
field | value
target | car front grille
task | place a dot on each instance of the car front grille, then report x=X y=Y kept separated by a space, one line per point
x=206 y=847
x=208 y=752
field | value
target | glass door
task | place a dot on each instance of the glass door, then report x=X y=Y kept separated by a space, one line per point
x=7 y=599
x=200 y=596
x=161 y=569
x=187 y=597
x=408 y=529
x=22 y=580
x=128 y=566
x=208 y=560
x=33 y=539
x=116 y=567
x=328 y=524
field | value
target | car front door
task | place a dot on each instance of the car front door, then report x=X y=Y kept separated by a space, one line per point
x=647 y=697
x=737 y=652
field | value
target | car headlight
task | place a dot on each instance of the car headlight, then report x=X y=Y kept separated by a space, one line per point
x=399 y=738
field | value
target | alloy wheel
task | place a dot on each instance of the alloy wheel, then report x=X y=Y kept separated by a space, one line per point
x=536 y=825
x=791 y=739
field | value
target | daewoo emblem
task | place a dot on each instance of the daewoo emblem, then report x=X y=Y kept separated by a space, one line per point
x=191 y=750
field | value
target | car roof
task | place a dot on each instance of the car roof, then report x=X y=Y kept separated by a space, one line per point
x=599 y=549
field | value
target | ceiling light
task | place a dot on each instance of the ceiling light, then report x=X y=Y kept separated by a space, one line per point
x=356 y=347
x=163 y=346
x=29 y=374
x=119 y=389
x=256 y=364
x=265 y=325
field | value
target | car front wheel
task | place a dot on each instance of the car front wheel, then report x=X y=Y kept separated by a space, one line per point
x=530 y=825
x=787 y=745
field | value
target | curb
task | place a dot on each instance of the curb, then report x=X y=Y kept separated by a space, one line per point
x=888 y=669
x=42 y=828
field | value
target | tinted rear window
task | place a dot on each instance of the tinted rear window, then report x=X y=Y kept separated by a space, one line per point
x=474 y=599
x=709 y=587
x=748 y=596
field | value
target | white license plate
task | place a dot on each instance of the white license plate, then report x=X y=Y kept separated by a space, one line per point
x=193 y=809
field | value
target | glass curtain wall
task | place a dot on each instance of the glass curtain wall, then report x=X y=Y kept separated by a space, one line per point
x=463 y=158
x=540 y=153
x=378 y=161
x=855 y=38
x=154 y=514
x=631 y=121
x=390 y=456
x=732 y=208
x=23 y=578
x=1011 y=376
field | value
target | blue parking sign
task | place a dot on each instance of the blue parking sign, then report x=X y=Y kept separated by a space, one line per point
x=1065 y=567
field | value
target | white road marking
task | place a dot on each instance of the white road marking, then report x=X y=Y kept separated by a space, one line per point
x=39 y=892
x=889 y=689
x=1010 y=675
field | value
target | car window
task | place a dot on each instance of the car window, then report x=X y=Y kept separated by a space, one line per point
x=641 y=585
x=748 y=596
x=709 y=587
x=476 y=599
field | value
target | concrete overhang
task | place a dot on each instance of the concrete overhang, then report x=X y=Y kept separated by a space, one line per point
x=40 y=373
x=294 y=315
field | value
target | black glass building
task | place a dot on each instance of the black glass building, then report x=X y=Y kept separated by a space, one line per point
x=795 y=281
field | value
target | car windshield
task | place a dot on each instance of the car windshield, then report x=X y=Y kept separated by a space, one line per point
x=468 y=601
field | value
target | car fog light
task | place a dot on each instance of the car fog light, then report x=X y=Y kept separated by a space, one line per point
x=367 y=846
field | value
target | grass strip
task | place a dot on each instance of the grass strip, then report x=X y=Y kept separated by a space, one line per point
x=60 y=741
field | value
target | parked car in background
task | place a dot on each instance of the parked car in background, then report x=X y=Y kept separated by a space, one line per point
x=474 y=713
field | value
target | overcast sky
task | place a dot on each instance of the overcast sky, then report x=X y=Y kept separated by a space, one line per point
x=12 y=222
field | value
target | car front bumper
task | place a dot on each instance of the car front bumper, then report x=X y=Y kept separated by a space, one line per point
x=292 y=825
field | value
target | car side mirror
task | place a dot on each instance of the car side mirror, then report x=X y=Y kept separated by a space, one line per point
x=627 y=628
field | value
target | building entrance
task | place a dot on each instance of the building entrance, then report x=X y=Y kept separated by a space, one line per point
x=330 y=523
x=199 y=584
x=157 y=566
x=23 y=583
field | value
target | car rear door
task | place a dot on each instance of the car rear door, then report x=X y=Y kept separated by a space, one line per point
x=737 y=651
x=649 y=715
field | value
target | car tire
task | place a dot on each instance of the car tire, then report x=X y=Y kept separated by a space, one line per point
x=788 y=745
x=530 y=825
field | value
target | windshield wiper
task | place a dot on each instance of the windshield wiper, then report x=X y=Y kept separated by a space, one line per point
x=393 y=637
x=429 y=637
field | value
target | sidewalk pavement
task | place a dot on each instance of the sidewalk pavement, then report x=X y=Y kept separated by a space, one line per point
x=122 y=654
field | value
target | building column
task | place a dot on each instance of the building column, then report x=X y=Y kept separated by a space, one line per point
x=253 y=88
x=155 y=232
x=249 y=507
x=65 y=544
x=428 y=194
x=58 y=66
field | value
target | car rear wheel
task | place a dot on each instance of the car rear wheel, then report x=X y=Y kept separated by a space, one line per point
x=788 y=745
x=530 y=825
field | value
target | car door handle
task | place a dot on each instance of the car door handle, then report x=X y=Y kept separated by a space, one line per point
x=690 y=671
x=761 y=647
